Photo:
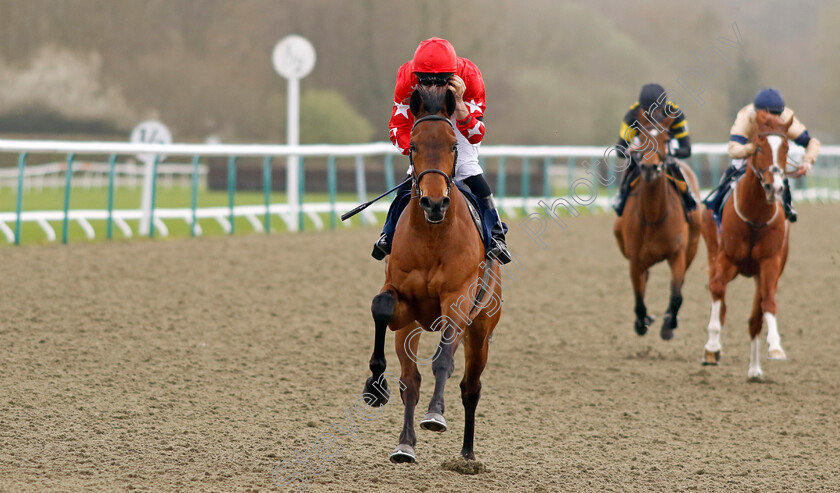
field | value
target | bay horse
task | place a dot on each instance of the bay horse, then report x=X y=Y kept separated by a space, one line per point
x=654 y=227
x=431 y=280
x=752 y=241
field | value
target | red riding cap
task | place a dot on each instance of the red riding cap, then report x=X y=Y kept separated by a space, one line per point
x=435 y=55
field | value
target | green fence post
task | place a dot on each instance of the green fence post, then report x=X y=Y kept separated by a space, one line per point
x=19 y=206
x=501 y=178
x=154 y=197
x=231 y=192
x=109 y=228
x=547 y=178
x=361 y=185
x=301 y=190
x=612 y=176
x=65 y=225
x=570 y=174
x=267 y=193
x=714 y=168
x=389 y=172
x=194 y=195
x=331 y=188
x=526 y=183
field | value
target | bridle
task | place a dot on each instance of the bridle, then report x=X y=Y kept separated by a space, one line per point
x=774 y=170
x=415 y=178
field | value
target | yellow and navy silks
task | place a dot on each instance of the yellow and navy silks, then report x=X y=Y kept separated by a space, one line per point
x=678 y=129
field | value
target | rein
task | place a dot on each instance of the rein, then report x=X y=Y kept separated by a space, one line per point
x=416 y=177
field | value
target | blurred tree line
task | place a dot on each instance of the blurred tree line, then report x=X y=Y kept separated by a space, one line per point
x=556 y=72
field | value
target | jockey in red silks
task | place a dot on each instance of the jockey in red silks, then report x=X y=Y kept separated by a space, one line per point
x=435 y=63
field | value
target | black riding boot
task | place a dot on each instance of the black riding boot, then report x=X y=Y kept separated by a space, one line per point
x=624 y=188
x=787 y=203
x=499 y=251
x=715 y=197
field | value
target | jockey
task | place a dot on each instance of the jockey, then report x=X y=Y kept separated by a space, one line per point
x=435 y=63
x=655 y=106
x=741 y=147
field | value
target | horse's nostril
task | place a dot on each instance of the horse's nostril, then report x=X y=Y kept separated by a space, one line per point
x=444 y=203
x=425 y=203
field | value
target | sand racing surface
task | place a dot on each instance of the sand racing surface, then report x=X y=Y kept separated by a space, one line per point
x=200 y=365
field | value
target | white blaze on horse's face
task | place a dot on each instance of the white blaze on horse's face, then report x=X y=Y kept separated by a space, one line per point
x=774 y=193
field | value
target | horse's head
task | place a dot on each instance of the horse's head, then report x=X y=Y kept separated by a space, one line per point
x=770 y=156
x=653 y=151
x=433 y=149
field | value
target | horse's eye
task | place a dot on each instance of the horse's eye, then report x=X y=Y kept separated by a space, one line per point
x=454 y=147
x=412 y=147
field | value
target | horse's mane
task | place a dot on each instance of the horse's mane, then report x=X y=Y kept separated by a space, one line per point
x=768 y=121
x=433 y=97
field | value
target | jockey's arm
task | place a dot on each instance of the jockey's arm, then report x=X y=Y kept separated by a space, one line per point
x=469 y=105
x=799 y=134
x=679 y=130
x=739 y=146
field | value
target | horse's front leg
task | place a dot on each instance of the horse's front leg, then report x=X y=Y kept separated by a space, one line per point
x=638 y=276
x=451 y=327
x=770 y=271
x=376 y=387
x=723 y=272
x=407 y=342
x=669 y=323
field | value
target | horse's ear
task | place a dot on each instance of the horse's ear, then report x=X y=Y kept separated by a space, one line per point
x=788 y=124
x=416 y=102
x=761 y=118
x=449 y=102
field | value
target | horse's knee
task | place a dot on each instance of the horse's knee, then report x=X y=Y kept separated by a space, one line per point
x=383 y=306
x=470 y=393
x=768 y=306
x=718 y=288
x=444 y=362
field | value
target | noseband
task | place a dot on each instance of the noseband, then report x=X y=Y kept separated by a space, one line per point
x=774 y=169
x=416 y=177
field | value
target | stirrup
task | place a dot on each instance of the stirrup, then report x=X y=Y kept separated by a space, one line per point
x=381 y=248
x=500 y=251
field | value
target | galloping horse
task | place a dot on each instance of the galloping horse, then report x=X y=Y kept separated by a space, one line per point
x=752 y=241
x=654 y=228
x=432 y=277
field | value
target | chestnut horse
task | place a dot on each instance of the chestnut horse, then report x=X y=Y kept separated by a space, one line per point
x=752 y=241
x=654 y=228
x=431 y=280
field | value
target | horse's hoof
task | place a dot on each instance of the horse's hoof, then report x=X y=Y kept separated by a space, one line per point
x=755 y=374
x=642 y=325
x=711 y=358
x=375 y=396
x=433 y=422
x=666 y=334
x=404 y=453
x=777 y=355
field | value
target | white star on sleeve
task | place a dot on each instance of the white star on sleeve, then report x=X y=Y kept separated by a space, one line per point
x=473 y=106
x=402 y=109
x=476 y=130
